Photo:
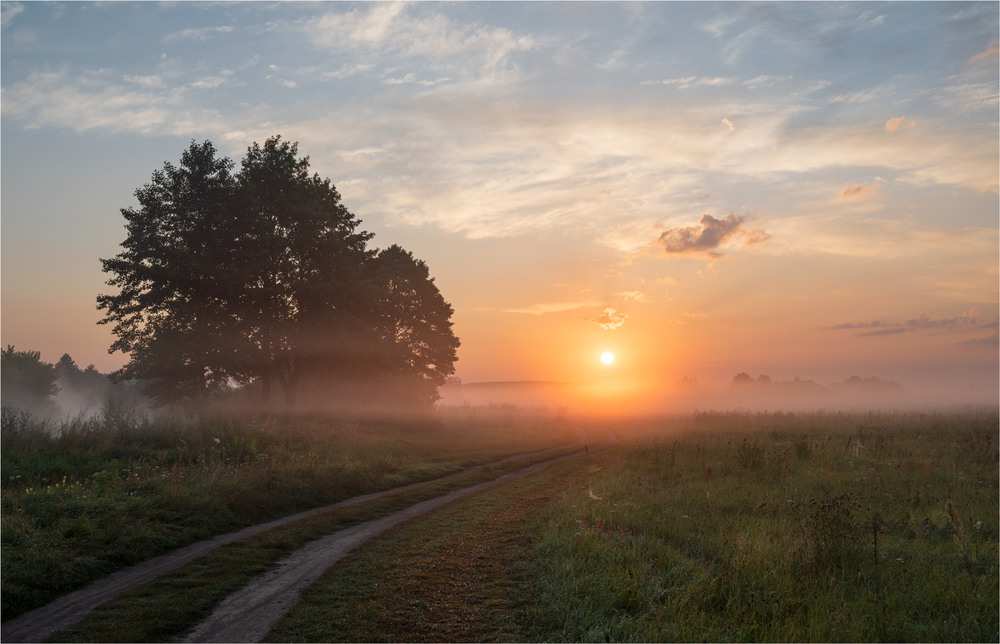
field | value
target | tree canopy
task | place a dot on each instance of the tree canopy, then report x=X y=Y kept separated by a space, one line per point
x=26 y=382
x=264 y=277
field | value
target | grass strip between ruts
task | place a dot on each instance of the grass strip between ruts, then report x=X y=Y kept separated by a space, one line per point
x=461 y=573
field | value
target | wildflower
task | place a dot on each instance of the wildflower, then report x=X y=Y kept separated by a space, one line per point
x=217 y=441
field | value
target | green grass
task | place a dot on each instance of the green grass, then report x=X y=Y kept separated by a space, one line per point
x=460 y=574
x=172 y=604
x=90 y=496
x=720 y=527
x=764 y=528
x=725 y=527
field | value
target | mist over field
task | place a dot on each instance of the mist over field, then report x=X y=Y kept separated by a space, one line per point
x=743 y=393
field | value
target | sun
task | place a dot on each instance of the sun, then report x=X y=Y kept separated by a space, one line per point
x=607 y=357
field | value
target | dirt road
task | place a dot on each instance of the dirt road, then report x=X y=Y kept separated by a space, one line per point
x=248 y=615
x=279 y=592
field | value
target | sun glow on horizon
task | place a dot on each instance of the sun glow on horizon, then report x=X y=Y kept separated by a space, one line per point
x=607 y=357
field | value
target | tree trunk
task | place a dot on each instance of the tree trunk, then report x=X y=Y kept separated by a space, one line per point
x=289 y=379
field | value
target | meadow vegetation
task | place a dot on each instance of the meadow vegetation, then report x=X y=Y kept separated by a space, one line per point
x=713 y=526
x=90 y=495
x=779 y=527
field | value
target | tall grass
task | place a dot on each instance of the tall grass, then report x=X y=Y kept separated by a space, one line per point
x=766 y=527
x=91 y=495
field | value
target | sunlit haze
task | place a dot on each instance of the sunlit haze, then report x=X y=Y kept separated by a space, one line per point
x=635 y=202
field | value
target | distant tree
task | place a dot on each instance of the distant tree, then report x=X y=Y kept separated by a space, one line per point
x=87 y=387
x=742 y=378
x=27 y=382
x=261 y=276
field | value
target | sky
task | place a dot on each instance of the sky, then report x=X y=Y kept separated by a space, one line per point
x=701 y=189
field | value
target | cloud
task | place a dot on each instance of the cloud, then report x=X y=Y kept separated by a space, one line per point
x=850 y=192
x=990 y=52
x=992 y=341
x=609 y=319
x=892 y=331
x=413 y=36
x=212 y=82
x=694 y=82
x=9 y=11
x=635 y=296
x=898 y=123
x=202 y=33
x=729 y=124
x=968 y=319
x=710 y=233
x=856 y=325
x=545 y=308
x=144 y=81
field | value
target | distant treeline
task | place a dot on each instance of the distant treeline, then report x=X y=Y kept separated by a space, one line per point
x=46 y=390
x=854 y=383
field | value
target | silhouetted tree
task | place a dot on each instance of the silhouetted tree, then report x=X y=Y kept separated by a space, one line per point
x=176 y=279
x=416 y=331
x=26 y=382
x=307 y=293
x=87 y=388
x=262 y=276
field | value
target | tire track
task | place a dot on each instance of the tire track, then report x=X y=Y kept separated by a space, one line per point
x=39 y=623
x=248 y=614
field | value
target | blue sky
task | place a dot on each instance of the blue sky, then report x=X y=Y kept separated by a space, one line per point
x=550 y=160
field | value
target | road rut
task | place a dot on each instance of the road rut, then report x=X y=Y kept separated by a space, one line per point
x=39 y=623
x=248 y=614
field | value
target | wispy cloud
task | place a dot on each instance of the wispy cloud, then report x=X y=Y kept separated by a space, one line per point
x=968 y=319
x=420 y=36
x=9 y=11
x=694 y=82
x=545 y=308
x=635 y=296
x=201 y=33
x=993 y=51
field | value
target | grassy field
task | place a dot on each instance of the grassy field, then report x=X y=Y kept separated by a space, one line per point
x=727 y=527
x=877 y=527
x=86 y=497
x=718 y=527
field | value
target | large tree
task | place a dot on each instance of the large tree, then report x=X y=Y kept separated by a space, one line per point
x=175 y=276
x=260 y=276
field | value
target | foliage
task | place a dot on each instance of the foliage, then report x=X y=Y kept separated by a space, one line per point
x=26 y=382
x=263 y=276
